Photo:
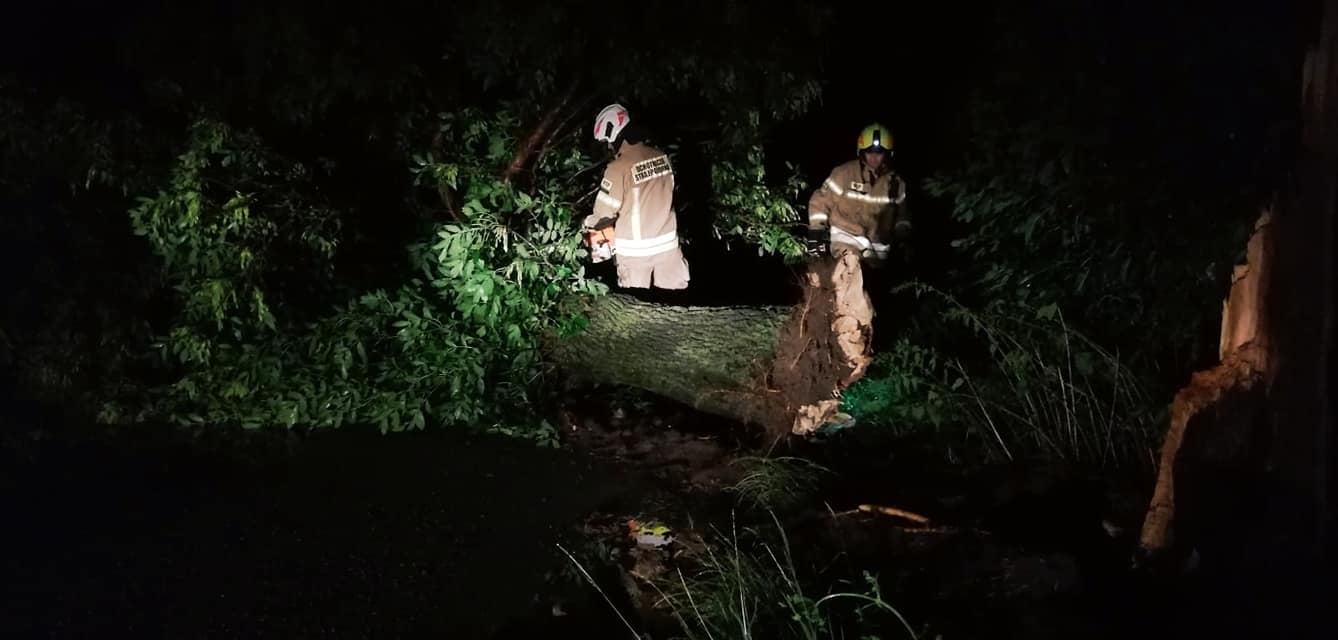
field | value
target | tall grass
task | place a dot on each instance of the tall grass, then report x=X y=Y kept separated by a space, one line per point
x=1023 y=383
x=749 y=587
x=776 y=483
x=746 y=586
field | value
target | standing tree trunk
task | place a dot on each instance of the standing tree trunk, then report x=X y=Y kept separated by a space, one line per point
x=1302 y=309
x=1246 y=468
x=779 y=367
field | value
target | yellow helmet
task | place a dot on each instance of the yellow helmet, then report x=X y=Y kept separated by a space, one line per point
x=874 y=136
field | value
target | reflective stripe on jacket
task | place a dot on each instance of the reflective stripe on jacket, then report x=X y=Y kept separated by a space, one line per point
x=860 y=203
x=637 y=195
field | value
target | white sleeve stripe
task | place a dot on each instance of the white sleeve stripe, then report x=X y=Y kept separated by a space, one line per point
x=867 y=198
x=608 y=200
x=833 y=187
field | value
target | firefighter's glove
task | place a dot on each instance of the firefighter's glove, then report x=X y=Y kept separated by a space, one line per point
x=816 y=243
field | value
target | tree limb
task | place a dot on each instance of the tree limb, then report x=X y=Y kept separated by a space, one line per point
x=573 y=111
x=534 y=144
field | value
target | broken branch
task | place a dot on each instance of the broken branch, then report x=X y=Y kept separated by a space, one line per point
x=884 y=510
x=539 y=137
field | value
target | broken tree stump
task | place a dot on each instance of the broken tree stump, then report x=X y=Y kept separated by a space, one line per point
x=1243 y=355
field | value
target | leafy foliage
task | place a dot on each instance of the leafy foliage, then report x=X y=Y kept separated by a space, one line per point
x=234 y=229
x=1100 y=198
x=747 y=208
x=69 y=271
x=287 y=68
x=1122 y=204
x=256 y=217
x=1018 y=382
x=460 y=344
x=1055 y=227
x=277 y=300
x=58 y=140
x=900 y=390
x=714 y=68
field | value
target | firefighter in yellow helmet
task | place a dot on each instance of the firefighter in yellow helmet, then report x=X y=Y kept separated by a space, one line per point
x=634 y=221
x=861 y=206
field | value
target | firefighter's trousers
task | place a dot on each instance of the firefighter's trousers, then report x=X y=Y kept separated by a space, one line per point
x=668 y=270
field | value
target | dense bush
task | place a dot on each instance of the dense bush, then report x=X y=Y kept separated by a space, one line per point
x=270 y=284
x=1019 y=382
x=459 y=343
x=1107 y=169
x=1102 y=189
x=266 y=308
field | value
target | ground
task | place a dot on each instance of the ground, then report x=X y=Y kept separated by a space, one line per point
x=157 y=532
x=344 y=534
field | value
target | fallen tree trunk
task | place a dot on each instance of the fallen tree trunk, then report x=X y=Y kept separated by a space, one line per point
x=783 y=368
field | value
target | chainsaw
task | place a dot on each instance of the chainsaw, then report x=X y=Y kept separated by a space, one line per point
x=601 y=245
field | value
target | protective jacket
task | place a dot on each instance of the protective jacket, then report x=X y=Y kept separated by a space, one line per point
x=859 y=206
x=637 y=196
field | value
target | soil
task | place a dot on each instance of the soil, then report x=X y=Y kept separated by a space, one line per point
x=823 y=350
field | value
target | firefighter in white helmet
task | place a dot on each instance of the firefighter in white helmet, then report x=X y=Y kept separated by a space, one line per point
x=861 y=206
x=634 y=208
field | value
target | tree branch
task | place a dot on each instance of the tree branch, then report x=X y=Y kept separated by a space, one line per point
x=538 y=139
x=573 y=112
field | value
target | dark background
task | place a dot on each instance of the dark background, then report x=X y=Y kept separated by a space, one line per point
x=1208 y=85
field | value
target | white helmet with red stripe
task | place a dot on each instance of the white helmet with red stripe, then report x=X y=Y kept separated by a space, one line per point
x=610 y=122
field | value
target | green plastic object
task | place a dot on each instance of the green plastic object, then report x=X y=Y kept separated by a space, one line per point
x=839 y=422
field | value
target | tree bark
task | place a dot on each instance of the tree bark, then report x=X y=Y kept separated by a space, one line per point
x=1253 y=474
x=1302 y=308
x=707 y=357
x=779 y=367
x=536 y=142
x=1243 y=353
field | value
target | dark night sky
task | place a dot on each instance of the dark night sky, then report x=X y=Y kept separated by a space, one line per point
x=904 y=63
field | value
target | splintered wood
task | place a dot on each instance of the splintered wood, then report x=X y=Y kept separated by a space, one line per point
x=887 y=511
x=1243 y=353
